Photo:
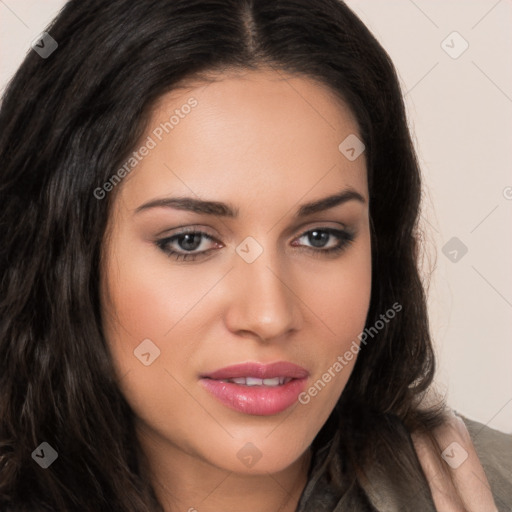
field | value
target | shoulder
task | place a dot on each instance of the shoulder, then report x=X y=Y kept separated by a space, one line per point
x=470 y=467
x=494 y=450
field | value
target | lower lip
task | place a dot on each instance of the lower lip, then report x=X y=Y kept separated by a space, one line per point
x=256 y=400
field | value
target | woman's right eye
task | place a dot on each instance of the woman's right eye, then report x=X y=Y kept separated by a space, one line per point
x=180 y=245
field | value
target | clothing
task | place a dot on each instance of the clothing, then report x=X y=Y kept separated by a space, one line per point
x=478 y=458
x=494 y=450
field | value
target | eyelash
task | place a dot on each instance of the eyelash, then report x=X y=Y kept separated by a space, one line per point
x=345 y=238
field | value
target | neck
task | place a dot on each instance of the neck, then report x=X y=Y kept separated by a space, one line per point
x=186 y=483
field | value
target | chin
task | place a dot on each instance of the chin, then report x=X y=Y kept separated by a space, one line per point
x=252 y=458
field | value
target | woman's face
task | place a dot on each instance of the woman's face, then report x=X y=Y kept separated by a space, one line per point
x=257 y=287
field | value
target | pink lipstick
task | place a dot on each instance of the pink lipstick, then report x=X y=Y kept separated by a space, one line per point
x=255 y=388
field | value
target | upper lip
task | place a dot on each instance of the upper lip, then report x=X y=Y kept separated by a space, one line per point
x=259 y=370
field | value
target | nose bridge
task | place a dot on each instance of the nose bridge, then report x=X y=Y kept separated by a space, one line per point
x=264 y=303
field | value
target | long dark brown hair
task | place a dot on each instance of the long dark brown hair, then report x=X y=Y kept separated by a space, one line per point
x=67 y=123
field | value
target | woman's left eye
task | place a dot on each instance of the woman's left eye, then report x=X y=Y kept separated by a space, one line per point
x=189 y=243
x=319 y=237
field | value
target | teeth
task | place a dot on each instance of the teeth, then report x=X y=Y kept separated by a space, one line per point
x=251 y=381
x=254 y=381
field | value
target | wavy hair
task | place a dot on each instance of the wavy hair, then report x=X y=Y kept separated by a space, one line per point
x=66 y=123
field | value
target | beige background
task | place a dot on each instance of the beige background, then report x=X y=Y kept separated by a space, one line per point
x=460 y=113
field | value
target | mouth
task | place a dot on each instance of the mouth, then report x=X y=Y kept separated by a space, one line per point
x=255 y=388
x=254 y=381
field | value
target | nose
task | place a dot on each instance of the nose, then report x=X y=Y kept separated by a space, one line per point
x=265 y=303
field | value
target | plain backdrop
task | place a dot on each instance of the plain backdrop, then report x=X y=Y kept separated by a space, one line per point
x=454 y=63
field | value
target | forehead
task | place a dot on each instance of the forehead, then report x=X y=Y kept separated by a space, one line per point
x=254 y=131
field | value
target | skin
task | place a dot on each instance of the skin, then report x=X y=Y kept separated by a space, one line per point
x=265 y=142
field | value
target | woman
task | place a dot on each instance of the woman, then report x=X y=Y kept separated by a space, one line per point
x=210 y=297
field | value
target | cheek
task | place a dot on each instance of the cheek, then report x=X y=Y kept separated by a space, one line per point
x=142 y=302
x=342 y=302
x=339 y=302
x=149 y=298
x=340 y=296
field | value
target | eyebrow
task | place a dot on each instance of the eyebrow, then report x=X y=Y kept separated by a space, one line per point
x=226 y=210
